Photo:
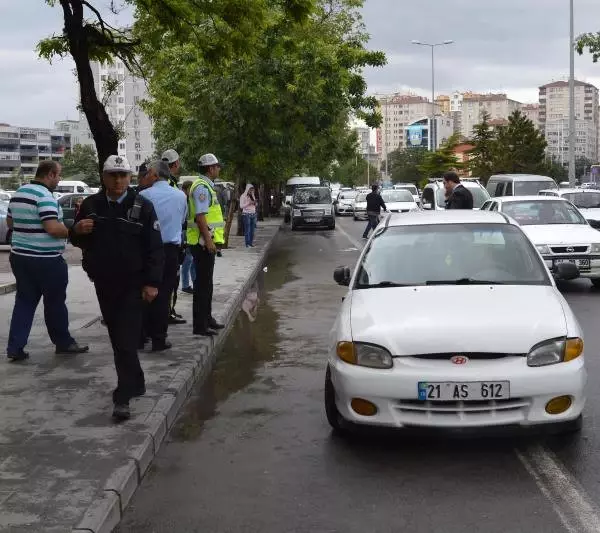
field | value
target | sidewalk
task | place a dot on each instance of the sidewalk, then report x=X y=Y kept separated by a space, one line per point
x=64 y=466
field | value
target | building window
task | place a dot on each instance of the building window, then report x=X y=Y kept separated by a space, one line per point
x=121 y=100
x=138 y=157
x=121 y=111
x=121 y=146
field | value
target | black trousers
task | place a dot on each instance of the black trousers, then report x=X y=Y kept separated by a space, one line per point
x=121 y=307
x=156 y=315
x=204 y=262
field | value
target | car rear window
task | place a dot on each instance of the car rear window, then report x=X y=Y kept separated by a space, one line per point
x=532 y=188
x=543 y=212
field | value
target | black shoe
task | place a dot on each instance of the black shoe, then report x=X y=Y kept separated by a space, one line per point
x=72 y=349
x=176 y=315
x=121 y=412
x=213 y=324
x=175 y=320
x=219 y=254
x=188 y=290
x=205 y=332
x=139 y=392
x=103 y=322
x=161 y=346
x=21 y=355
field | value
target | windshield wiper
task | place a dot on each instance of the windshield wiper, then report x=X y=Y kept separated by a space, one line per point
x=464 y=281
x=382 y=284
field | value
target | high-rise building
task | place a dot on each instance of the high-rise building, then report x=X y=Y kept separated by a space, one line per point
x=79 y=131
x=22 y=148
x=532 y=112
x=497 y=106
x=554 y=120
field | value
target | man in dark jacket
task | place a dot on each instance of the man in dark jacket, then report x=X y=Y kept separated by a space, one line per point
x=459 y=197
x=374 y=205
x=119 y=234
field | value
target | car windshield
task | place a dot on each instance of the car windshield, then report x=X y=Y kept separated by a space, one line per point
x=583 y=199
x=412 y=189
x=397 y=196
x=542 y=212
x=362 y=197
x=480 y=196
x=64 y=188
x=532 y=188
x=348 y=195
x=450 y=254
x=314 y=195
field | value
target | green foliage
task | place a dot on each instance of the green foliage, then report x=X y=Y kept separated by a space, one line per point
x=15 y=181
x=355 y=172
x=591 y=41
x=81 y=162
x=481 y=156
x=436 y=164
x=554 y=170
x=404 y=164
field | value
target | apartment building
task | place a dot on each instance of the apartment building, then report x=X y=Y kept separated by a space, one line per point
x=22 y=148
x=554 y=119
x=78 y=130
x=532 y=112
x=497 y=106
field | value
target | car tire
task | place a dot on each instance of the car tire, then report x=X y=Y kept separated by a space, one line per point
x=332 y=225
x=294 y=226
x=335 y=419
x=355 y=219
x=572 y=427
x=596 y=283
x=287 y=218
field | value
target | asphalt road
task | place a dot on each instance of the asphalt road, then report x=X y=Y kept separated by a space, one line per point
x=72 y=256
x=252 y=451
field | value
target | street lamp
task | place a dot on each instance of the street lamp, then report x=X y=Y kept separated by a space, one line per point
x=572 y=98
x=432 y=46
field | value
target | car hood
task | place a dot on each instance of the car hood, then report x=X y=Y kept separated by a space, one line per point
x=362 y=205
x=457 y=319
x=394 y=206
x=561 y=234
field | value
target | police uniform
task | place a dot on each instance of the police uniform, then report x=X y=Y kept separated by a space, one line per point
x=203 y=200
x=123 y=254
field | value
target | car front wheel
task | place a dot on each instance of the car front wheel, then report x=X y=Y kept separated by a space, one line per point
x=596 y=283
x=335 y=419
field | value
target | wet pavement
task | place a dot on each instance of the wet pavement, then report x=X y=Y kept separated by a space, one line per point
x=252 y=451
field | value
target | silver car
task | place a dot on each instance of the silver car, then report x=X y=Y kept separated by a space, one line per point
x=4 y=231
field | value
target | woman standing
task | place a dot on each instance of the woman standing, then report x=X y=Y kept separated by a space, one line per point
x=248 y=205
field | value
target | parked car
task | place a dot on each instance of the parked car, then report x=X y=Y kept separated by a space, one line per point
x=5 y=232
x=518 y=184
x=513 y=355
x=586 y=200
x=5 y=196
x=557 y=228
x=399 y=200
x=290 y=187
x=311 y=206
x=434 y=194
x=344 y=204
x=68 y=204
x=360 y=206
x=67 y=186
x=412 y=188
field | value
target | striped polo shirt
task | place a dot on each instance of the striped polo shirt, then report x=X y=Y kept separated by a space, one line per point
x=31 y=205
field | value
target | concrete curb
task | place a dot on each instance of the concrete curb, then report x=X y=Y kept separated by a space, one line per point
x=105 y=513
x=8 y=287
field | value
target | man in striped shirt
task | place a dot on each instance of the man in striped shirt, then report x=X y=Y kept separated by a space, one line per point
x=38 y=242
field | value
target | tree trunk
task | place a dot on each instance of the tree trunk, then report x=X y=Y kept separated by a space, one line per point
x=105 y=136
x=262 y=203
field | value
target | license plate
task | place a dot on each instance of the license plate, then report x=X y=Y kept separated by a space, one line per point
x=581 y=263
x=309 y=220
x=452 y=391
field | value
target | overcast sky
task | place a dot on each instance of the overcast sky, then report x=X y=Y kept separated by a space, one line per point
x=511 y=46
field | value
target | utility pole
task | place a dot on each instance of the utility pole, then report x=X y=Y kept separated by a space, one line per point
x=572 y=126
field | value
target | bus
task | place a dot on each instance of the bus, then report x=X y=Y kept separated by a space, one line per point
x=595 y=175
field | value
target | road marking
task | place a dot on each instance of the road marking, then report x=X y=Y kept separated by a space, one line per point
x=568 y=498
x=356 y=243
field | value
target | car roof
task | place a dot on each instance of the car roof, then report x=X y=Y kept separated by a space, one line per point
x=523 y=177
x=452 y=216
x=571 y=190
x=509 y=199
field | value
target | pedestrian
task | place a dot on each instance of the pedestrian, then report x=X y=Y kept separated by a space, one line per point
x=205 y=219
x=188 y=272
x=170 y=205
x=375 y=204
x=36 y=259
x=123 y=255
x=248 y=205
x=171 y=157
x=459 y=197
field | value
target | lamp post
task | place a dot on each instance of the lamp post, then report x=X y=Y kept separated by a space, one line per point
x=432 y=46
x=572 y=127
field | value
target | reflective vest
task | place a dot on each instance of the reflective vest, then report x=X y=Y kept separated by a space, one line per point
x=214 y=217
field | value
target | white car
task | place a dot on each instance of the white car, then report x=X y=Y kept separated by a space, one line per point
x=586 y=200
x=399 y=200
x=451 y=320
x=360 y=206
x=558 y=230
x=411 y=188
x=344 y=205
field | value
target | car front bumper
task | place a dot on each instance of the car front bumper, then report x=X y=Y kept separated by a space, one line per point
x=344 y=209
x=362 y=215
x=395 y=392
x=326 y=220
x=592 y=272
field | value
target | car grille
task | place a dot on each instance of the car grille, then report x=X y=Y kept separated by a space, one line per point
x=569 y=249
x=312 y=213
x=399 y=210
x=452 y=414
x=477 y=355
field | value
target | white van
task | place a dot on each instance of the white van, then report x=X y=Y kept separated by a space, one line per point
x=518 y=185
x=294 y=183
x=65 y=187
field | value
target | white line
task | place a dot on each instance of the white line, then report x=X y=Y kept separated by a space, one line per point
x=356 y=243
x=567 y=496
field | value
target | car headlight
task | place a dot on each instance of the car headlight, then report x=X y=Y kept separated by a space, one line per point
x=361 y=354
x=327 y=211
x=544 y=249
x=297 y=213
x=555 y=351
x=595 y=248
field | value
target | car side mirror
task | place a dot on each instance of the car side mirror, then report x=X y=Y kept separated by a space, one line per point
x=341 y=275
x=427 y=205
x=566 y=272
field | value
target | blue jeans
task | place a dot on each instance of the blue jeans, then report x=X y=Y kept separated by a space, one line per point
x=188 y=271
x=39 y=277
x=249 y=227
x=372 y=224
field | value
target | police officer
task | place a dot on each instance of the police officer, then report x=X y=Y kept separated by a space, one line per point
x=205 y=227
x=119 y=234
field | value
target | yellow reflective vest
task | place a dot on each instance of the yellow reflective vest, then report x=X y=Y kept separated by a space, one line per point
x=214 y=217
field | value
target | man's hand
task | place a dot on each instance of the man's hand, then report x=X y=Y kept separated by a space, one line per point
x=211 y=247
x=84 y=227
x=149 y=293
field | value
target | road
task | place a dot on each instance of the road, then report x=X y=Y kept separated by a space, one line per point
x=252 y=451
x=72 y=256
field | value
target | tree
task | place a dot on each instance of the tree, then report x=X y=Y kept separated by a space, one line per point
x=481 y=155
x=591 y=41
x=554 y=170
x=405 y=163
x=436 y=164
x=582 y=165
x=519 y=146
x=15 y=180
x=81 y=161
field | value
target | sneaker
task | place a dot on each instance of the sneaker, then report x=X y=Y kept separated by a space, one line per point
x=72 y=349
x=21 y=355
x=188 y=290
x=121 y=412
